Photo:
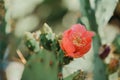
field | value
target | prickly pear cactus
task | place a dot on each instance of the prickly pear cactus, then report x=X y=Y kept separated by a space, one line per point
x=46 y=61
x=41 y=66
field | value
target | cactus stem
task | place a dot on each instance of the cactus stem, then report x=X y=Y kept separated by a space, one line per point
x=60 y=76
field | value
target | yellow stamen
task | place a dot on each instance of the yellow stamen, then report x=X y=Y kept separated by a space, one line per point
x=78 y=41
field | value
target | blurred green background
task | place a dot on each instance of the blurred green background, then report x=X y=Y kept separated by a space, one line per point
x=100 y=16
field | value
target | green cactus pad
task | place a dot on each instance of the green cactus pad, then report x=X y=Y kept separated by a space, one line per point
x=41 y=66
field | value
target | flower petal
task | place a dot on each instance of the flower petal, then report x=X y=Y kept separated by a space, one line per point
x=78 y=28
x=82 y=51
x=67 y=44
x=88 y=34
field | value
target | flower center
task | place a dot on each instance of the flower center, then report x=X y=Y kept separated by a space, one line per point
x=78 y=41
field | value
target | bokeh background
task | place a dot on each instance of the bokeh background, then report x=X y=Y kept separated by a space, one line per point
x=100 y=16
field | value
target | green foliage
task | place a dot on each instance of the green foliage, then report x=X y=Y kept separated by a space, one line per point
x=116 y=43
x=60 y=59
x=55 y=45
x=49 y=44
x=45 y=42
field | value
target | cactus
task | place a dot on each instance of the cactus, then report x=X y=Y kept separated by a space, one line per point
x=47 y=57
x=45 y=60
x=95 y=18
x=41 y=66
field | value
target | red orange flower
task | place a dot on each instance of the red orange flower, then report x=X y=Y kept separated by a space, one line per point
x=76 y=41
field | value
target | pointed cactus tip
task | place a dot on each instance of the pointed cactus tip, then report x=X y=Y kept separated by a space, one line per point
x=46 y=28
